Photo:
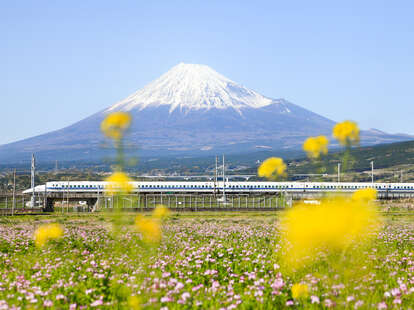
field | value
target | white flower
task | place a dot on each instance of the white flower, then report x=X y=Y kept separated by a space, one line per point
x=315 y=299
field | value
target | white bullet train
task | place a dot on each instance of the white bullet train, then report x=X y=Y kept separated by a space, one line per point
x=229 y=187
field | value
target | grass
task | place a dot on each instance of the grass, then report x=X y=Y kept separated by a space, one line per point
x=207 y=260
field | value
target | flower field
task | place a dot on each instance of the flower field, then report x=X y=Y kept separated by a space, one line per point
x=204 y=261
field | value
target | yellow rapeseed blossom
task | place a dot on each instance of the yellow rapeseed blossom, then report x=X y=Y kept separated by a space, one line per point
x=115 y=124
x=347 y=133
x=118 y=182
x=366 y=194
x=134 y=302
x=333 y=225
x=300 y=290
x=47 y=232
x=150 y=229
x=161 y=212
x=272 y=166
x=315 y=146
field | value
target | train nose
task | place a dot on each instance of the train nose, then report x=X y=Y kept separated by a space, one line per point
x=37 y=189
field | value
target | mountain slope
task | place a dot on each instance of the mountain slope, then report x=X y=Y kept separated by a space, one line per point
x=189 y=110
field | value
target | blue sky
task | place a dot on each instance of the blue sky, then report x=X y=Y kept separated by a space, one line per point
x=61 y=61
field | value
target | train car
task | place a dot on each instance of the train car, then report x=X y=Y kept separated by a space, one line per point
x=229 y=187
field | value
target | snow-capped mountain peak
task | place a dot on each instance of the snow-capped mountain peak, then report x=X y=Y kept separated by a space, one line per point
x=192 y=87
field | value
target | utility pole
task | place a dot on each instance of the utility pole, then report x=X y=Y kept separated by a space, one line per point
x=67 y=197
x=224 y=183
x=339 y=172
x=14 y=191
x=215 y=177
x=63 y=197
x=372 y=171
x=401 y=177
x=32 y=181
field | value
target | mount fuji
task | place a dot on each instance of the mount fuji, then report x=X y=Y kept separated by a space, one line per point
x=189 y=110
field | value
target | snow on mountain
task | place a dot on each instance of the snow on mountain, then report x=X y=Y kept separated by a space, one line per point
x=192 y=87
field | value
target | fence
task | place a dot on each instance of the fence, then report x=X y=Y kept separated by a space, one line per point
x=20 y=204
x=194 y=202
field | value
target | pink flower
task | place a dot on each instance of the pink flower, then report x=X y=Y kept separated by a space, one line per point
x=397 y=301
x=215 y=286
x=358 y=304
x=329 y=303
x=185 y=296
x=196 y=288
x=72 y=307
x=47 y=303
x=403 y=287
x=382 y=305
x=278 y=284
x=289 y=303
x=395 y=292
x=97 y=303
x=166 y=299
x=315 y=299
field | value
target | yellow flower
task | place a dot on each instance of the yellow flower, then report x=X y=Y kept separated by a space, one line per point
x=347 y=133
x=366 y=195
x=315 y=146
x=47 y=232
x=332 y=226
x=272 y=166
x=134 y=302
x=118 y=182
x=300 y=290
x=149 y=228
x=114 y=125
x=161 y=211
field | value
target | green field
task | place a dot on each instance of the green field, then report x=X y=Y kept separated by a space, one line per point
x=206 y=260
